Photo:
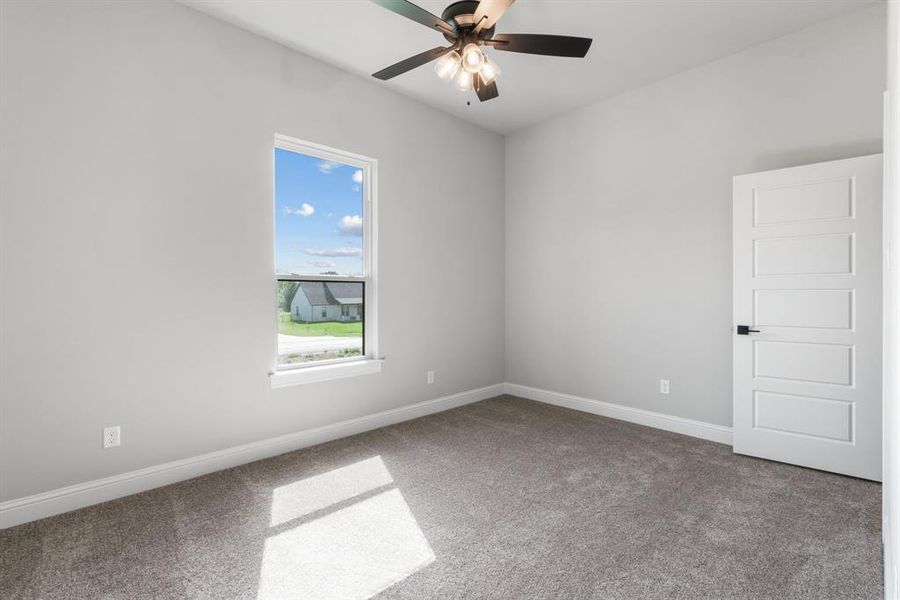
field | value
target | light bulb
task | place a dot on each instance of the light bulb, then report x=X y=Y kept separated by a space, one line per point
x=489 y=71
x=472 y=58
x=447 y=66
x=464 y=80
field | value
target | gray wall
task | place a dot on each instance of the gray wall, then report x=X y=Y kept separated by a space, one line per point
x=137 y=239
x=623 y=211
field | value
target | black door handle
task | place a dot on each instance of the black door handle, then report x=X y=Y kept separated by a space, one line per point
x=745 y=330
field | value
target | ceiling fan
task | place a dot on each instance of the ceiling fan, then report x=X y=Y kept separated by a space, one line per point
x=469 y=26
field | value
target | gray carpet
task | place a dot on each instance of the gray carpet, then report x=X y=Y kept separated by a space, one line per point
x=505 y=498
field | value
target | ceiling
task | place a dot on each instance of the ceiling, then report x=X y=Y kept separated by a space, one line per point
x=636 y=42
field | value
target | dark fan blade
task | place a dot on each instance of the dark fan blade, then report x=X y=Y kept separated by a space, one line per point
x=533 y=43
x=489 y=12
x=417 y=14
x=411 y=63
x=485 y=92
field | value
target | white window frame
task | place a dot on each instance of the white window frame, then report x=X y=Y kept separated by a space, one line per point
x=370 y=362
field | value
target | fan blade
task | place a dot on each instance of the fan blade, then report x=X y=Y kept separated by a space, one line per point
x=485 y=92
x=411 y=63
x=489 y=12
x=417 y=14
x=549 y=45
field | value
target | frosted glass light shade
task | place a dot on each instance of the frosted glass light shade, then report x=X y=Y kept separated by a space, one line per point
x=464 y=81
x=472 y=58
x=489 y=71
x=447 y=66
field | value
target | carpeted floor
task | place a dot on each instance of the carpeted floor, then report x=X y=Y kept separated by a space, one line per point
x=505 y=498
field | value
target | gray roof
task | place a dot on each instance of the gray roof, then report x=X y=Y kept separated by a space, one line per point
x=332 y=292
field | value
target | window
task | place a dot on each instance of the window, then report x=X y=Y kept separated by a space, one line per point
x=324 y=255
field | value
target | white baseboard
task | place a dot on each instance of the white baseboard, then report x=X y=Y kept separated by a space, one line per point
x=698 y=429
x=54 y=502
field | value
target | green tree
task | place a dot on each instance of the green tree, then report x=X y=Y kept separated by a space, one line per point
x=285 y=294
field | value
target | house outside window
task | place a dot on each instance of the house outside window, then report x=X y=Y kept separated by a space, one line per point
x=324 y=255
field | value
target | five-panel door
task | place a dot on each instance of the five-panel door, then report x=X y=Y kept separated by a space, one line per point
x=807 y=284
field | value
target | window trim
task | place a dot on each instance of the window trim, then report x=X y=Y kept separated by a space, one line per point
x=322 y=371
x=370 y=361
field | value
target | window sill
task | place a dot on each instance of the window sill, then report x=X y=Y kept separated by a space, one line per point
x=301 y=375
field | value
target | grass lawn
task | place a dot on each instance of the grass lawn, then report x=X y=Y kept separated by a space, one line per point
x=288 y=327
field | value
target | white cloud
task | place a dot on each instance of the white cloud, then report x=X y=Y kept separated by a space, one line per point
x=305 y=210
x=327 y=166
x=357 y=176
x=324 y=264
x=334 y=252
x=351 y=225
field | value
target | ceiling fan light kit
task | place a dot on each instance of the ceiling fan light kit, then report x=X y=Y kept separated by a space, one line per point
x=463 y=69
x=469 y=25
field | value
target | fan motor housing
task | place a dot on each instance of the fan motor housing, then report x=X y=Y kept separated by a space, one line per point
x=462 y=15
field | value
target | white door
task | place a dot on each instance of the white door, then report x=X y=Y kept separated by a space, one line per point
x=807 y=283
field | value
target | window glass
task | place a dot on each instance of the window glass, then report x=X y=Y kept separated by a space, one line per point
x=319 y=216
x=309 y=324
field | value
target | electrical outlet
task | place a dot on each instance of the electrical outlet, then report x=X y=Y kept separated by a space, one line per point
x=663 y=386
x=112 y=436
x=429 y=377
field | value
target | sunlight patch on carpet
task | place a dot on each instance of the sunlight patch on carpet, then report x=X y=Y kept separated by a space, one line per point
x=351 y=553
x=306 y=496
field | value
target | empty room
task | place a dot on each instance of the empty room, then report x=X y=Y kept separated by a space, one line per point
x=349 y=299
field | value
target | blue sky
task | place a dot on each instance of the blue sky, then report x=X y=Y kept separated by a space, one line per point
x=318 y=215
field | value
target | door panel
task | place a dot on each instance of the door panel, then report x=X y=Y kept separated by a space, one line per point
x=817 y=417
x=807 y=278
x=810 y=309
x=801 y=361
x=798 y=203
x=804 y=255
